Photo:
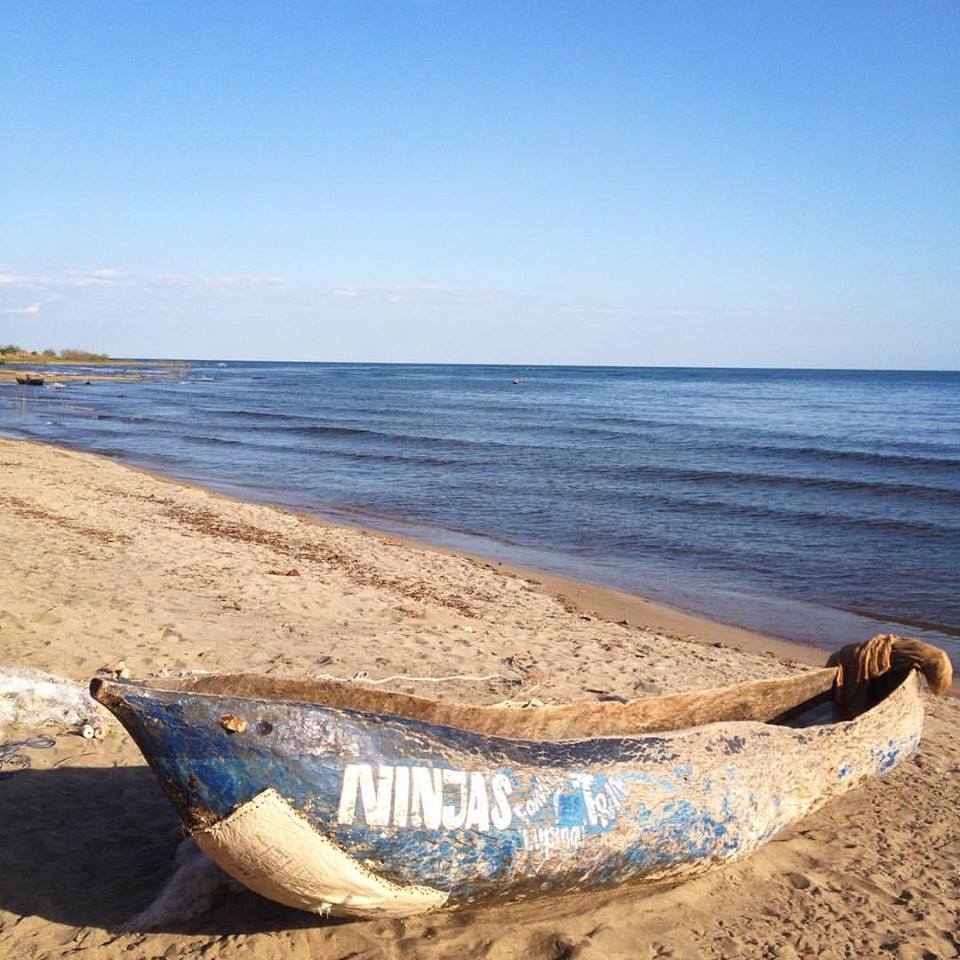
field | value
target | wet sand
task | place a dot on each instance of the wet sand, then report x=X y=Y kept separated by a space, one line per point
x=101 y=561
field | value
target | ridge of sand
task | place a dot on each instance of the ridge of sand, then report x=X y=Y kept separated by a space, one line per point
x=99 y=560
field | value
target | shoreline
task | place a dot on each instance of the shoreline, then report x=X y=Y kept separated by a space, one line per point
x=587 y=598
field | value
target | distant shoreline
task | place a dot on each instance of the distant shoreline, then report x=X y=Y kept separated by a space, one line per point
x=95 y=370
x=95 y=360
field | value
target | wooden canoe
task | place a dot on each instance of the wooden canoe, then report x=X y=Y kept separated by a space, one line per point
x=337 y=798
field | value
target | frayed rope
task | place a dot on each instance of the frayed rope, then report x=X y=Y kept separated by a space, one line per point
x=363 y=677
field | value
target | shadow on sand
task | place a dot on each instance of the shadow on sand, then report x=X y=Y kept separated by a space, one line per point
x=93 y=846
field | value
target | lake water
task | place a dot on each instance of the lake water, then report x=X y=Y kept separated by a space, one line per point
x=818 y=505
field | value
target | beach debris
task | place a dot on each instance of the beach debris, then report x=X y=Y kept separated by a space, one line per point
x=118 y=669
x=232 y=723
x=520 y=704
x=192 y=888
x=34 y=698
x=93 y=729
x=605 y=696
x=525 y=664
x=292 y=572
x=12 y=757
x=419 y=613
x=522 y=662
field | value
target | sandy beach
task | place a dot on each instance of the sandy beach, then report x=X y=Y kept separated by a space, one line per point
x=101 y=561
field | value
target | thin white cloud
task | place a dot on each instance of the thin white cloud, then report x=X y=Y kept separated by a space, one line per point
x=200 y=282
x=264 y=291
x=94 y=278
x=29 y=311
x=10 y=279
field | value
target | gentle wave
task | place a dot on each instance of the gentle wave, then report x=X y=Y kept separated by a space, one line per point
x=217 y=441
x=299 y=424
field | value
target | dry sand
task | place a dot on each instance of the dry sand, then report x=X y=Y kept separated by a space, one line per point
x=100 y=561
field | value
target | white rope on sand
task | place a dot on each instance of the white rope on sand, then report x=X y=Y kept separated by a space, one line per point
x=363 y=677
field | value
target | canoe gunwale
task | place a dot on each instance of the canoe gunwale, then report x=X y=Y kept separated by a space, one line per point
x=770 y=702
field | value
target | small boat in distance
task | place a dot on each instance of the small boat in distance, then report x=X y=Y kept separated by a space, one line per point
x=335 y=798
x=517 y=380
x=30 y=380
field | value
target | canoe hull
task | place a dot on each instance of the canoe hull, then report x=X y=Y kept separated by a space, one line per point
x=401 y=816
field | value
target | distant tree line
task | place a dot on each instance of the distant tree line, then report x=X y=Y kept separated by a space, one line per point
x=70 y=354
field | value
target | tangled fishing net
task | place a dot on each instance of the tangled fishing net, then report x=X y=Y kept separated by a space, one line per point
x=31 y=698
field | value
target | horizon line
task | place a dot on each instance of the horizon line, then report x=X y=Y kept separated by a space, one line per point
x=522 y=364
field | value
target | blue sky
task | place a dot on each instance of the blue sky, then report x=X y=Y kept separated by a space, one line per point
x=646 y=183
